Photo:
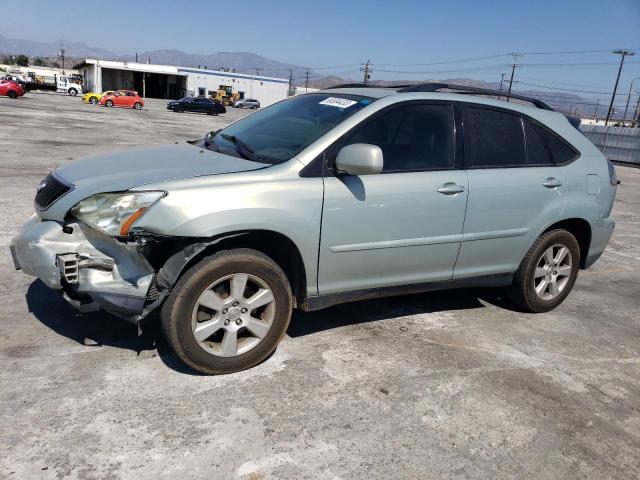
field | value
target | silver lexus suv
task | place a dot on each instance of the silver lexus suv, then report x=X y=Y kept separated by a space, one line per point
x=340 y=195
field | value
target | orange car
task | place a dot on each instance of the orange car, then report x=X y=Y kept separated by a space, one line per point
x=123 y=98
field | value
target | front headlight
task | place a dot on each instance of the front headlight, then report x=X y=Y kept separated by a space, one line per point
x=114 y=213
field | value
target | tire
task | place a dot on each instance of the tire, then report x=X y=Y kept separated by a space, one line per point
x=108 y=103
x=12 y=94
x=137 y=106
x=182 y=313
x=73 y=92
x=533 y=284
x=93 y=100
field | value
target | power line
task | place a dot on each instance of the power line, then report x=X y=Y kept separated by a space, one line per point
x=573 y=51
x=476 y=59
x=558 y=82
x=561 y=89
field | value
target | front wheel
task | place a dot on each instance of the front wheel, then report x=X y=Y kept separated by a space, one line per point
x=13 y=95
x=73 y=92
x=137 y=106
x=547 y=272
x=228 y=312
x=108 y=103
x=93 y=100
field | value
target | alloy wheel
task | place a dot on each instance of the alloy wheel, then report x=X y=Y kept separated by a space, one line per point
x=552 y=272
x=233 y=315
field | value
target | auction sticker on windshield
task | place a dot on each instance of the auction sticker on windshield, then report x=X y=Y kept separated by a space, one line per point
x=338 y=102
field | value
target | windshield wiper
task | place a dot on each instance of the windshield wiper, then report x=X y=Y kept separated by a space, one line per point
x=242 y=148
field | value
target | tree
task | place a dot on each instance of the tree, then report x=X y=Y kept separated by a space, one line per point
x=6 y=59
x=39 y=62
x=55 y=64
x=22 y=60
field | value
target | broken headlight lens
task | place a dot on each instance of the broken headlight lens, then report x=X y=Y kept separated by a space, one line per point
x=114 y=213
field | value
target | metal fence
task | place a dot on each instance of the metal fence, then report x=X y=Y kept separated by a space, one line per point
x=618 y=144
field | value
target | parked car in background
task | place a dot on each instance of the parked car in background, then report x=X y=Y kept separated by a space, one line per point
x=11 y=89
x=94 y=97
x=19 y=79
x=196 y=104
x=328 y=197
x=247 y=103
x=123 y=98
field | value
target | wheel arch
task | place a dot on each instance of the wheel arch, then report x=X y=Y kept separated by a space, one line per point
x=186 y=253
x=579 y=228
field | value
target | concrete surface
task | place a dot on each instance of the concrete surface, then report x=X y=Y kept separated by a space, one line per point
x=442 y=385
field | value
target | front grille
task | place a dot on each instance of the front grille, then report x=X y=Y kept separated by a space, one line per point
x=49 y=191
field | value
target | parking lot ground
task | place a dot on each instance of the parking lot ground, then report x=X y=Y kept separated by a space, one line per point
x=441 y=385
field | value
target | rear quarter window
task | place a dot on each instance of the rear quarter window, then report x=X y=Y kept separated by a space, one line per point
x=561 y=151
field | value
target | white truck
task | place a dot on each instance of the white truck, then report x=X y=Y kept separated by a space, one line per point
x=65 y=85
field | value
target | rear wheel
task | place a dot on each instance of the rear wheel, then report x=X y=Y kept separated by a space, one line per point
x=547 y=272
x=137 y=106
x=228 y=312
x=108 y=103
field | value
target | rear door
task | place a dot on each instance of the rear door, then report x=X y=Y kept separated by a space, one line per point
x=515 y=190
x=402 y=226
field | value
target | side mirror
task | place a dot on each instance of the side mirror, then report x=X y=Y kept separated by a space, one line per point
x=359 y=159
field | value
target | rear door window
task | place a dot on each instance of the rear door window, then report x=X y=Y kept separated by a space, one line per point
x=492 y=138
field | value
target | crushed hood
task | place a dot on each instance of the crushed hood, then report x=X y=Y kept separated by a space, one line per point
x=121 y=171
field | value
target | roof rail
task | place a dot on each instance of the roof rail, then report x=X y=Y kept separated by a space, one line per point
x=464 y=89
x=365 y=85
x=434 y=87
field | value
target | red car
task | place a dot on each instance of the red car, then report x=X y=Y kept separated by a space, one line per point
x=11 y=89
x=123 y=98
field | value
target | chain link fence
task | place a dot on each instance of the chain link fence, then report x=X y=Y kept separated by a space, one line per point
x=618 y=144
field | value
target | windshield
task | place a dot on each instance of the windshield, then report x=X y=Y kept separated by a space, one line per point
x=281 y=131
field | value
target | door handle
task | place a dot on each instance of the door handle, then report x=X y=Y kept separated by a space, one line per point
x=450 y=188
x=552 y=182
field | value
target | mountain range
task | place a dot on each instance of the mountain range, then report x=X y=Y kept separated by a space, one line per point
x=247 y=62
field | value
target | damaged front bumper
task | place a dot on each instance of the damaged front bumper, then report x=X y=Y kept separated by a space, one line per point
x=93 y=270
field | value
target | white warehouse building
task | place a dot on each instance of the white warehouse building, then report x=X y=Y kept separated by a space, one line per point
x=173 y=82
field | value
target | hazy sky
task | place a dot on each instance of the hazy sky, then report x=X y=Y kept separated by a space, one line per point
x=337 y=33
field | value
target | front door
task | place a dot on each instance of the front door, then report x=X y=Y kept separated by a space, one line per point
x=402 y=226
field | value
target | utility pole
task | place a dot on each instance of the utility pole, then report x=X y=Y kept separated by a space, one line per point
x=622 y=53
x=624 y=118
x=513 y=66
x=257 y=70
x=306 y=81
x=595 y=111
x=136 y=57
x=636 y=114
x=367 y=72
x=291 y=87
x=501 y=83
x=61 y=52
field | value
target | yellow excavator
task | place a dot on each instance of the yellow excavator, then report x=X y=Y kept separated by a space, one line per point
x=226 y=96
